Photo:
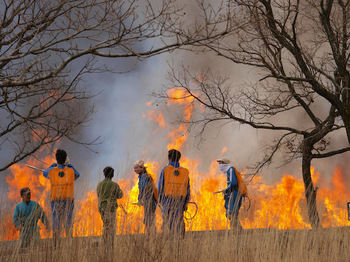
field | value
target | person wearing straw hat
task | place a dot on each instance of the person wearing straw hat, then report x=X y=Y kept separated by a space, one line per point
x=174 y=194
x=148 y=195
x=232 y=196
x=108 y=192
x=62 y=176
x=25 y=218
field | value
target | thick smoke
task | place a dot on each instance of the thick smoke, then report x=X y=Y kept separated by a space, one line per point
x=127 y=136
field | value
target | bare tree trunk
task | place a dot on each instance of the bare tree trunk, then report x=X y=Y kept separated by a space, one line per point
x=310 y=190
x=347 y=126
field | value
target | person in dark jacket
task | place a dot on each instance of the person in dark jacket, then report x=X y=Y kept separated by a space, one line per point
x=232 y=196
x=147 y=197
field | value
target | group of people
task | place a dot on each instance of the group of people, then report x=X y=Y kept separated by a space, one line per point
x=172 y=195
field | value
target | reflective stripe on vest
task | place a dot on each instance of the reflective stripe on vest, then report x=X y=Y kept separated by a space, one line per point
x=62 y=183
x=175 y=181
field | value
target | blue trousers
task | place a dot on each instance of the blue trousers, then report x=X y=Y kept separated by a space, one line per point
x=233 y=202
x=62 y=214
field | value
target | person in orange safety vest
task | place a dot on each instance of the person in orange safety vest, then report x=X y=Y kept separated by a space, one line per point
x=62 y=176
x=174 y=194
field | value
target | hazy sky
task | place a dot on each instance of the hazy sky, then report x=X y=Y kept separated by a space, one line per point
x=127 y=136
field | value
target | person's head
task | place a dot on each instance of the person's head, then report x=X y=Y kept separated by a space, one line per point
x=174 y=155
x=223 y=160
x=139 y=167
x=61 y=156
x=108 y=172
x=25 y=194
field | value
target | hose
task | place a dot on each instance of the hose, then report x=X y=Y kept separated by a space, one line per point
x=186 y=212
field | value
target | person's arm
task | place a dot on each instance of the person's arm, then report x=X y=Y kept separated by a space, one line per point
x=141 y=189
x=44 y=218
x=120 y=193
x=76 y=173
x=98 y=189
x=231 y=180
x=148 y=187
x=46 y=172
x=188 y=195
x=16 y=220
x=161 y=187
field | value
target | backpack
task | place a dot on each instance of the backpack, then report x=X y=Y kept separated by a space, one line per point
x=241 y=185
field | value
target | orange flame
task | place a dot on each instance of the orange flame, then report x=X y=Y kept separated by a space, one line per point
x=281 y=205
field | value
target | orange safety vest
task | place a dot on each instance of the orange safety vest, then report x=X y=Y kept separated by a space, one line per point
x=175 y=181
x=62 y=183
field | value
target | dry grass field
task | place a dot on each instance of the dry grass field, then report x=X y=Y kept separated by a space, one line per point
x=329 y=244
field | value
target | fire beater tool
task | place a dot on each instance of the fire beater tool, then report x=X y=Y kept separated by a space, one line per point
x=246 y=197
x=36 y=168
x=217 y=192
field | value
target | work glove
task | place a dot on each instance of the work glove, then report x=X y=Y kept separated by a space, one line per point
x=226 y=193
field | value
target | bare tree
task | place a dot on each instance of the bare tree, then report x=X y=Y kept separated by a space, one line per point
x=46 y=49
x=301 y=49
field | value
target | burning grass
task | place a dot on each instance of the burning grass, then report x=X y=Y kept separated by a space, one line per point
x=279 y=206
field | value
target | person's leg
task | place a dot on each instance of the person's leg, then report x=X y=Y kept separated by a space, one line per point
x=36 y=236
x=113 y=227
x=166 y=214
x=181 y=223
x=226 y=205
x=234 y=206
x=104 y=227
x=146 y=218
x=55 y=210
x=24 y=237
x=149 y=217
x=68 y=218
x=109 y=227
x=179 y=218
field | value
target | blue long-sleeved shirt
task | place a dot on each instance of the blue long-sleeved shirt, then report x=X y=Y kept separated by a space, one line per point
x=232 y=182
x=145 y=189
x=162 y=199
x=46 y=172
x=28 y=214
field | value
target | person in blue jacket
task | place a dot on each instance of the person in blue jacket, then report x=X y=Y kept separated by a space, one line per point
x=62 y=176
x=25 y=218
x=232 y=196
x=148 y=195
x=174 y=194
